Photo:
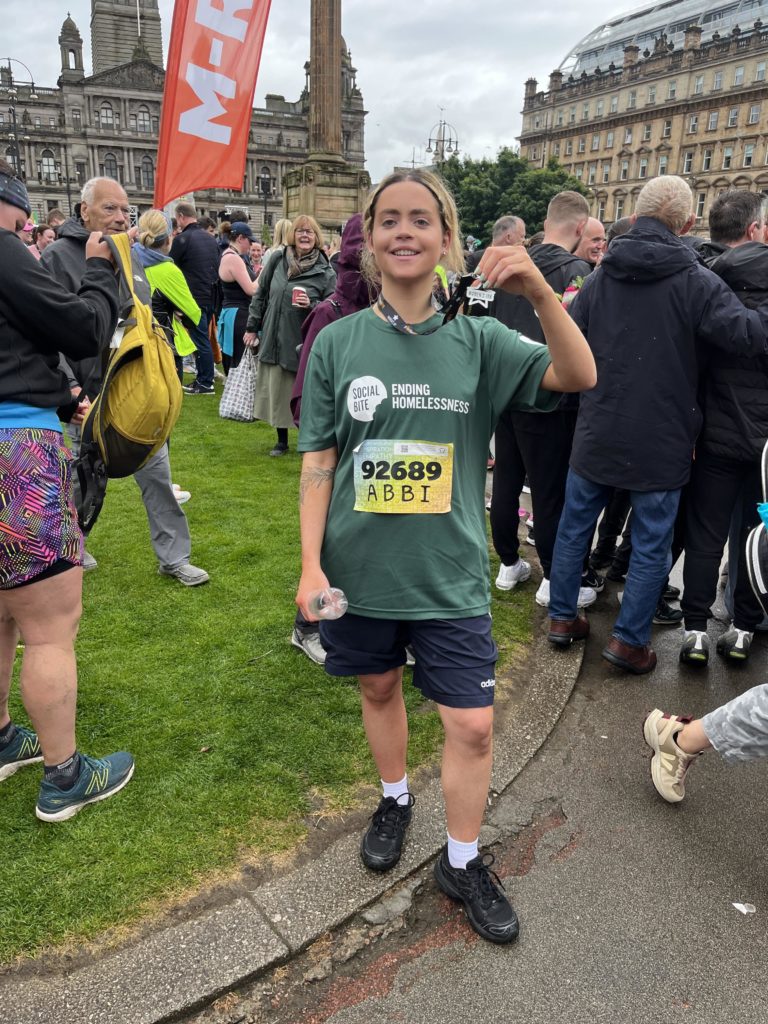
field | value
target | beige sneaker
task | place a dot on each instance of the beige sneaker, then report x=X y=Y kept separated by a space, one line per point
x=669 y=763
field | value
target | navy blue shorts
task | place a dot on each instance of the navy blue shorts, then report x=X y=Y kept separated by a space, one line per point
x=455 y=658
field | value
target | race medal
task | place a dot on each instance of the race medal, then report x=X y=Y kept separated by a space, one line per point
x=403 y=477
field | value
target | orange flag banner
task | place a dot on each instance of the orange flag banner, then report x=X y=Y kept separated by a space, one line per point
x=213 y=61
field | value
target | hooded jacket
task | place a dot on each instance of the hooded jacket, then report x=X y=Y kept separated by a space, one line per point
x=735 y=388
x=39 y=318
x=350 y=295
x=649 y=312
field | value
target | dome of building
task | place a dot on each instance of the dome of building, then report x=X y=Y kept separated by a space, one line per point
x=643 y=26
x=69 y=28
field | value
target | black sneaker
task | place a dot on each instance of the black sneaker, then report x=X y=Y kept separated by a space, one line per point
x=593 y=579
x=666 y=615
x=383 y=842
x=616 y=574
x=196 y=388
x=480 y=890
x=600 y=560
x=671 y=593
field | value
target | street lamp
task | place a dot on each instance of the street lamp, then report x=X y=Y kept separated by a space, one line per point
x=265 y=187
x=9 y=86
x=443 y=138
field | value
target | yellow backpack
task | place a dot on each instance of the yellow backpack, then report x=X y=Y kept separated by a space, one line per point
x=140 y=397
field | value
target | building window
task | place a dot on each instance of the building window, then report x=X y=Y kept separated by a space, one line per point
x=81 y=170
x=727 y=158
x=643 y=169
x=592 y=174
x=578 y=173
x=632 y=99
x=606 y=172
x=51 y=122
x=569 y=147
x=647 y=129
x=651 y=93
x=754 y=114
x=618 y=206
x=624 y=173
x=609 y=140
x=582 y=144
x=155 y=125
x=106 y=116
x=627 y=136
x=601 y=210
x=687 y=162
x=585 y=112
x=698 y=85
x=749 y=154
x=595 y=142
x=701 y=199
x=110 y=166
x=143 y=120
x=599 y=108
x=718 y=81
x=556 y=149
x=559 y=117
x=671 y=89
x=693 y=124
x=666 y=130
x=713 y=119
x=738 y=75
x=132 y=122
x=733 y=117
x=614 y=104
x=572 y=115
x=663 y=161
x=147 y=173
x=537 y=122
x=48 y=166
x=706 y=160
x=760 y=72
x=37 y=122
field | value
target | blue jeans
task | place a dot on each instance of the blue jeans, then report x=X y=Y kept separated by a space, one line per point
x=204 y=354
x=653 y=521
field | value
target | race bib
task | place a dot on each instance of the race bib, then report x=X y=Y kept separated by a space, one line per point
x=403 y=477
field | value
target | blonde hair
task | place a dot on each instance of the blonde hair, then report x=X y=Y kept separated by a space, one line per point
x=282 y=228
x=449 y=219
x=667 y=198
x=304 y=221
x=153 y=229
x=567 y=208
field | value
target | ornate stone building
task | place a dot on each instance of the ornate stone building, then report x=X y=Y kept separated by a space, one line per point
x=677 y=88
x=108 y=122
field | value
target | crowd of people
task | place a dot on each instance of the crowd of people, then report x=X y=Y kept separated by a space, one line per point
x=601 y=365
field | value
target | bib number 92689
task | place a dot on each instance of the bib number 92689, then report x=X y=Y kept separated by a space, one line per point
x=403 y=476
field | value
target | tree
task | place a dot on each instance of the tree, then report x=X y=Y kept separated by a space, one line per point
x=266 y=234
x=487 y=189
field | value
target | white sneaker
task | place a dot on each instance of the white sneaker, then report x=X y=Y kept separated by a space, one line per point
x=180 y=495
x=89 y=562
x=587 y=595
x=308 y=641
x=510 y=575
x=187 y=574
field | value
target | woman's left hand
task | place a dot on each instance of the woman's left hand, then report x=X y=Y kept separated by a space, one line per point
x=251 y=339
x=302 y=300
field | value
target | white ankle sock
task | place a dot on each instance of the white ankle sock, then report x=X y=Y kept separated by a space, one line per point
x=460 y=854
x=397 y=790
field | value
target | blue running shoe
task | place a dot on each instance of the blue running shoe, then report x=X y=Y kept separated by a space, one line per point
x=23 y=749
x=99 y=778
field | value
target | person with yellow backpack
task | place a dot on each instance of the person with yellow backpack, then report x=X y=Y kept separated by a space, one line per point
x=104 y=207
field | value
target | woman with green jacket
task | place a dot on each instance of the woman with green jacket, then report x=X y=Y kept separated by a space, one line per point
x=290 y=286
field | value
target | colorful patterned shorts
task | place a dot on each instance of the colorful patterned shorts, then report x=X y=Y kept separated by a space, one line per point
x=38 y=520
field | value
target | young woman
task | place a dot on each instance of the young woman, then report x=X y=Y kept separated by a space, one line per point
x=238 y=284
x=398 y=409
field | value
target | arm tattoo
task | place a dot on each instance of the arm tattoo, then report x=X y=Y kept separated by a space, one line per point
x=314 y=476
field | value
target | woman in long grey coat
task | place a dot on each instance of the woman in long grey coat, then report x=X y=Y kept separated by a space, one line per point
x=289 y=288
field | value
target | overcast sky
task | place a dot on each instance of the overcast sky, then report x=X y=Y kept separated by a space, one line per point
x=412 y=57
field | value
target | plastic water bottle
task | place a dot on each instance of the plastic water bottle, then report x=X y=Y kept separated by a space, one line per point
x=330 y=603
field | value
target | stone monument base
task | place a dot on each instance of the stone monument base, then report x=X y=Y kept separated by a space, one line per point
x=329 y=190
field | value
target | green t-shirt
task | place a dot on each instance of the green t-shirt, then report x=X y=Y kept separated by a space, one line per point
x=411 y=417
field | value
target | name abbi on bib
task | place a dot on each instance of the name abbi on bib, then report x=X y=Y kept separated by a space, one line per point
x=403 y=476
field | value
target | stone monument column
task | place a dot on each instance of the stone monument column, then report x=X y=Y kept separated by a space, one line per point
x=327 y=187
x=325 y=79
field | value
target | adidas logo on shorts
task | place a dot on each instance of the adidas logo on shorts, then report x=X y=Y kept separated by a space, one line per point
x=487 y=683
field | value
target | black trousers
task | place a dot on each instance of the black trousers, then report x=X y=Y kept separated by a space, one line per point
x=612 y=525
x=544 y=441
x=717 y=485
x=508 y=480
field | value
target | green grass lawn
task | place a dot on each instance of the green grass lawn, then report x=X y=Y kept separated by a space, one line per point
x=236 y=734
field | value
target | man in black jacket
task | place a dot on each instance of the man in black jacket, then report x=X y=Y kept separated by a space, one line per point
x=648 y=313
x=542 y=439
x=726 y=471
x=105 y=208
x=196 y=253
